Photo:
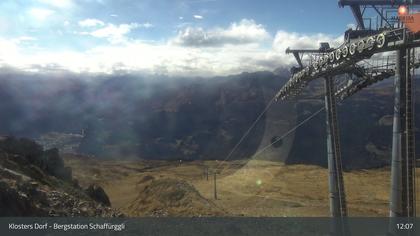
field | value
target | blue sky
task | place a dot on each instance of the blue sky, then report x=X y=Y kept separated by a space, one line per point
x=175 y=37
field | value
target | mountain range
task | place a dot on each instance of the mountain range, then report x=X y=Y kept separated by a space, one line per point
x=159 y=117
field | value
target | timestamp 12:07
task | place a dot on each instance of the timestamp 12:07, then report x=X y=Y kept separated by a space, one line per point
x=405 y=226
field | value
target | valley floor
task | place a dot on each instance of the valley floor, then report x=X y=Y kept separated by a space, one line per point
x=244 y=188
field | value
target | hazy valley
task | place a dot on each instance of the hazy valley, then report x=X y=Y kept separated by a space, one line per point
x=147 y=142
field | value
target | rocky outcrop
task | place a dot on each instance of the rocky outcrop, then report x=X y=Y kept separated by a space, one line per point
x=98 y=194
x=37 y=183
x=27 y=197
x=23 y=147
x=17 y=203
x=49 y=161
x=54 y=165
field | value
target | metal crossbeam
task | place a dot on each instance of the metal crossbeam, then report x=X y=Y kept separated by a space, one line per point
x=337 y=61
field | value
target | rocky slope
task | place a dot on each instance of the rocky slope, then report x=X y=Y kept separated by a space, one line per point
x=34 y=182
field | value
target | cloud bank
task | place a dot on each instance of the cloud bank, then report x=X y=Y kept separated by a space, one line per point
x=244 y=32
x=243 y=46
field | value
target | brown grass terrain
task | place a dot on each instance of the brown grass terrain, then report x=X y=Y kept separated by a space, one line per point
x=254 y=188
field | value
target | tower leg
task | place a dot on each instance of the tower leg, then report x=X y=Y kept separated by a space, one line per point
x=396 y=162
x=402 y=203
x=410 y=139
x=338 y=206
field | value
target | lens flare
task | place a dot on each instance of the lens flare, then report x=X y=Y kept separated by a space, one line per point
x=402 y=10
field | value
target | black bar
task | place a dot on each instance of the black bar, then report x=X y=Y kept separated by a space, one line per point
x=220 y=226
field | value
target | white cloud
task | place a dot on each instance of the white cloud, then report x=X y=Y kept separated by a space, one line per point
x=90 y=22
x=40 y=13
x=146 y=25
x=116 y=33
x=244 y=32
x=198 y=17
x=10 y=52
x=240 y=47
x=294 y=40
x=26 y=38
x=145 y=57
x=351 y=26
x=284 y=39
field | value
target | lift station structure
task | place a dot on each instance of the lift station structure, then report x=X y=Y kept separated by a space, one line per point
x=381 y=46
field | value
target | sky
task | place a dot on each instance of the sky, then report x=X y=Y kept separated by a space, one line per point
x=169 y=37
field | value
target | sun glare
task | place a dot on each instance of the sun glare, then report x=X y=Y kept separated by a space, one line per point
x=402 y=10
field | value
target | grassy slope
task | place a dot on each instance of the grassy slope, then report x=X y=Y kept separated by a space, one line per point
x=284 y=190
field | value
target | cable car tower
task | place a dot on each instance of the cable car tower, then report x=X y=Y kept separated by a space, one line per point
x=383 y=26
